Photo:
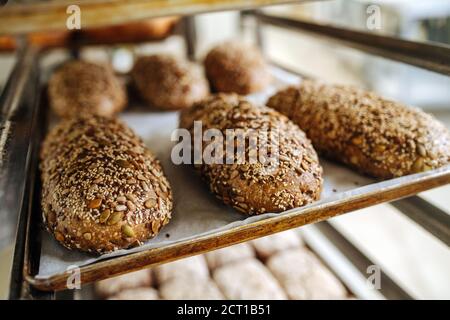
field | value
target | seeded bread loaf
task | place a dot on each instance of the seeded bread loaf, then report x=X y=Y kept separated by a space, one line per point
x=236 y=67
x=102 y=189
x=80 y=87
x=292 y=177
x=167 y=82
x=376 y=136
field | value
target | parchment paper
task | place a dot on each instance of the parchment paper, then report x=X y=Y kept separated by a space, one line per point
x=196 y=211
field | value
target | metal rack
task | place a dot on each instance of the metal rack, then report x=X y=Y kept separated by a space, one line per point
x=20 y=112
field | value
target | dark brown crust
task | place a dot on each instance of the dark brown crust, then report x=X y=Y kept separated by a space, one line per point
x=80 y=87
x=255 y=188
x=379 y=137
x=236 y=67
x=102 y=189
x=167 y=82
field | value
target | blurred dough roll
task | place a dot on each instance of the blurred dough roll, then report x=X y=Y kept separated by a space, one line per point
x=236 y=67
x=102 y=189
x=193 y=267
x=267 y=246
x=167 y=82
x=80 y=87
x=286 y=175
x=136 y=294
x=378 y=137
x=248 y=279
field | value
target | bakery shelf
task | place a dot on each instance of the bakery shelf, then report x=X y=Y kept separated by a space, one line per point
x=19 y=17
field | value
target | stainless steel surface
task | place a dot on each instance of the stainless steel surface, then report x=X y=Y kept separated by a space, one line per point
x=430 y=217
x=350 y=264
x=431 y=56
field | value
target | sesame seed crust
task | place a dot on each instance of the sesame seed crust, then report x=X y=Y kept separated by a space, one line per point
x=102 y=189
x=255 y=188
x=236 y=67
x=167 y=82
x=376 y=136
x=83 y=87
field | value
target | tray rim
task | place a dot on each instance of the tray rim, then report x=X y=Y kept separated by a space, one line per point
x=321 y=210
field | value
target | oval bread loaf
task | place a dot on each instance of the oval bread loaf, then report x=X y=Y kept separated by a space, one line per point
x=102 y=189
x=378 y=137
x=236 y=67
x=80 y=87
x=167 y=82
x=261 y=186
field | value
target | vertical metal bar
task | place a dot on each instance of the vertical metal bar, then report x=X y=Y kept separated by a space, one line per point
x=190 y=36
x=18 y=118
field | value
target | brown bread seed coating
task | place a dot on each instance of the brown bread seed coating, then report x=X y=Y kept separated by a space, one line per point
x=80 y=87
x=102 y=189
x=255 y=188
x=236 y=67
x=377 y=136
x=167 y=82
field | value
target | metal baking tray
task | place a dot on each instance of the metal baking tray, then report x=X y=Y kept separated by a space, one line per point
x=365 y=194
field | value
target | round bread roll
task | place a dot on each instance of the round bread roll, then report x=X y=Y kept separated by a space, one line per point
x=236 y=67
x=378 y=137
x=292 y=177
x=102 y=189
x=80 y=87
x=167 y=82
